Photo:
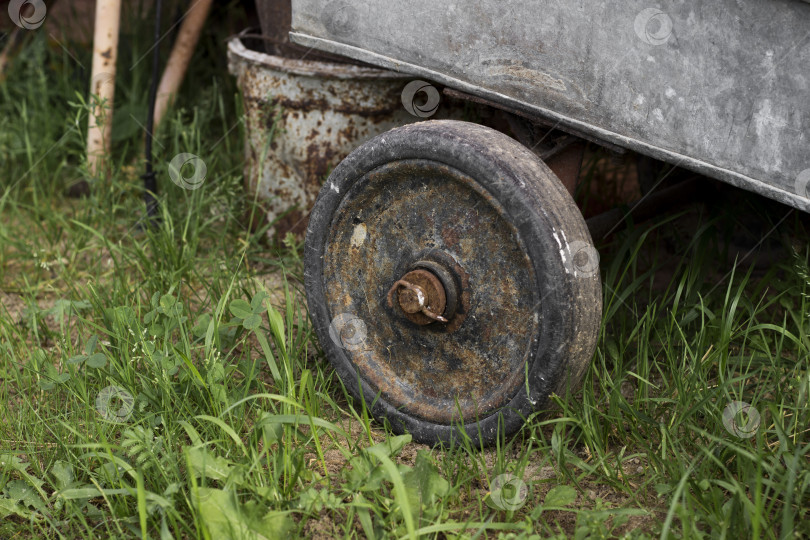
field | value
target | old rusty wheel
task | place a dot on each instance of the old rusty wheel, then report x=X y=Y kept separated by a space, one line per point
x=451 y=280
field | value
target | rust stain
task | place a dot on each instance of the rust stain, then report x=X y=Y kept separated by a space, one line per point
x=450 y=236
x=294 y=221
x=310 y=104
x=321 y=158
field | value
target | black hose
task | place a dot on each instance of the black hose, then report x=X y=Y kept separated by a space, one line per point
x=149 y=181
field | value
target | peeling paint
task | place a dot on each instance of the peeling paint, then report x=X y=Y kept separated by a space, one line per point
x=359 y=235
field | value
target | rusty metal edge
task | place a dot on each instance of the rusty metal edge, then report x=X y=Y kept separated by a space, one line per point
x=731 y=177
x=309 y=67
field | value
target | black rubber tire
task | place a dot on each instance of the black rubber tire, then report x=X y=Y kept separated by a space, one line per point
x=540 y=209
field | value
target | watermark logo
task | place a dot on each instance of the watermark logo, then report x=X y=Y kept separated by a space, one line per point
x=348 y=331
x=33 y=20
x=741 y=419
x=508 y=492
x=197 y=177
x=426 y=109
x=339 y=18
x=653 y=26
x=581 y=259
x=801 y=184
x=115 y=404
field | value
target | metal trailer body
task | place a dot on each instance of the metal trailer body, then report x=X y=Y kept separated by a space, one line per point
x=719 y=87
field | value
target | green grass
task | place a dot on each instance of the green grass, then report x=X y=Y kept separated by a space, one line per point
x=166 y=382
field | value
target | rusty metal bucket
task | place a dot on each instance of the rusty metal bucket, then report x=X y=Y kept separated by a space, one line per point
x=302 y=118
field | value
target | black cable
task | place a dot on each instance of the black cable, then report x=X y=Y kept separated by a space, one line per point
x=149 y=181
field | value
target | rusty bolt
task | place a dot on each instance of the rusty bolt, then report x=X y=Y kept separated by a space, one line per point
x=420 y=296
x=412 y=298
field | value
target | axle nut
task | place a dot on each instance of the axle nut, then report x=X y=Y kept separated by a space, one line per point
x=420 y=295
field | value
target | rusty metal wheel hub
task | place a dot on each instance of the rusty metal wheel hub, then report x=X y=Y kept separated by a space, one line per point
x=421 y=296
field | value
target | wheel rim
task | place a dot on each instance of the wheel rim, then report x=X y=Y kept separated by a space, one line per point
x=414 y=215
